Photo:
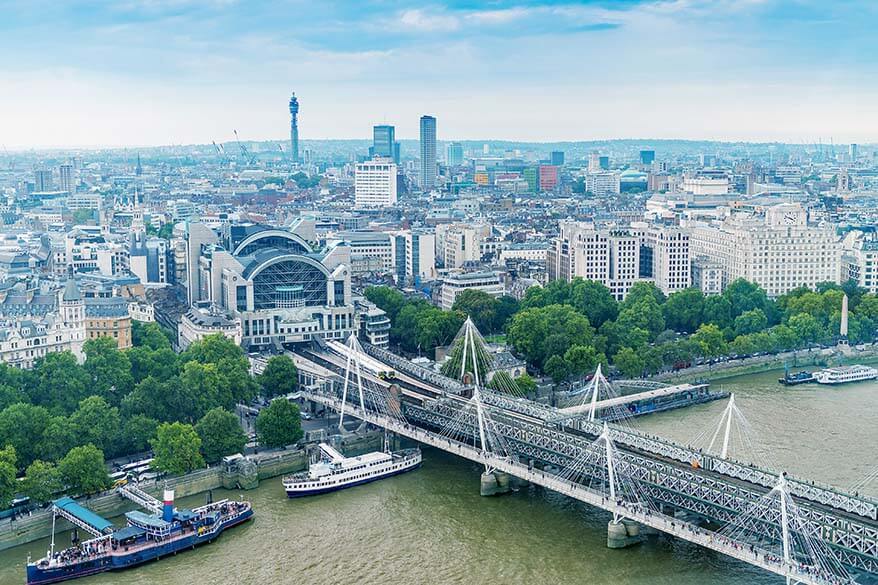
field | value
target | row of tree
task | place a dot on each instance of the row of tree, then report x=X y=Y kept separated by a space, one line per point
x=566 y=328
x=123 y=402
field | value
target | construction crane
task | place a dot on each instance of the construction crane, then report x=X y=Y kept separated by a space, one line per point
x=251 y=160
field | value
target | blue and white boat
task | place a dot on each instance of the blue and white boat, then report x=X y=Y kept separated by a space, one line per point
x=147 y=536
x=334 y=471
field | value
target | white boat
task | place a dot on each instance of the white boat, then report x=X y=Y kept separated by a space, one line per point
x=334 y=471
x=844 y=374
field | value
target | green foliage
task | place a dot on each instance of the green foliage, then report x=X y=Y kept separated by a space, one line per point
x=540 y=333
x=177 y=448
x=482 y=309
x=42 y=481
x=108 y=368
x=583 y=359
x=83 y=470
x=98 y=423
x=683 y=311
x=221 y=434
x=806 y=328
x=8 y=483
x=61 y=382
x=641 y=290
x=59 y=437
x=589 y=297
x=629 y=362
x=279 y=378
x=150 y=335
x=22 y=426
x=303 y=181
x=526 y=384
x=644 y=314
x=744 y=295
x=751 y=321
x=556 y=368
x=137 y=432
x=709 y=341
x=388 y=299
x=717 y=310
x=279 y=424
x=420 y=325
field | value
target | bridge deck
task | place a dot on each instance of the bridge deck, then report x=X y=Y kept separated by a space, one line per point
x=667 y=524
x=628 y=398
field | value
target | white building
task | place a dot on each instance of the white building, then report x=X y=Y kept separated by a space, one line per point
x=671 y=264
x=370 y=251
x=196 y=324
x=461 y=243
x=706 y=183
x=608 y=256
x=707 y=275
x=375 y=184
x=603 y=184
x=414 y=253
x=779 y=250
x=181 y=210
x=860 y=261
x=454 y=284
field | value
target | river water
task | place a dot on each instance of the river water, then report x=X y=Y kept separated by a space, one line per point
x=431 y=526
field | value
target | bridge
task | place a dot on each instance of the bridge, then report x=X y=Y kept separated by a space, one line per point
x=803 y=531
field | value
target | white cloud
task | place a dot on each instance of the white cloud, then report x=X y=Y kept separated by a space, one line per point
x=420 y=20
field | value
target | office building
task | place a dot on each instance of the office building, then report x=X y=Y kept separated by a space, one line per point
x=548 y=177
x=384 y=143
x=375 y=184
x=42 y=180
x=609 y=256
x=428 y=170
x=647 y=157
x=860 y=260
x=853 y=152
x=294 y=128
x=557 y=158
x=778 y=249
x=454 y=284
x=604 y=183
x=461 y=243
x=65 y=176
x=454 y=154
x=371 y=252
x=668 y=249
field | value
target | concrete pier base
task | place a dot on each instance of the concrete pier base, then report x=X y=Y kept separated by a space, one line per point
x=623 y=534
x=494 y=483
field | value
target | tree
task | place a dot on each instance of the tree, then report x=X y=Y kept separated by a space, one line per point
x=683 y=310
x=149 y=335
x=480 y=306
x=177 y=448
x=168 y=400
x=280 y=377
x=751 y=321
x=388 y=299
x=221 y=434
x=629 y=363
x=557 y=368
x=42 y=481
x=22 y=426
x=744 y=296
x=161 y=363
x=645 y=314
x=61 y=382
x=717 y=310
x=83 y=216
x=526 y=384
x=8 y=483
x=583 y=359
x=98 y=423
x=108 y=368
x=539 y=333
x=594 y=300
x=84 y=471
x=279 y=424
x=806 y=328
x=59 y=437
x=137 y=432
x=709 y=340
x=507 y=306
x=640 y=290
x=204 y=384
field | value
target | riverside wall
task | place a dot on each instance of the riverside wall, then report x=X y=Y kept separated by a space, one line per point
x=268 y=465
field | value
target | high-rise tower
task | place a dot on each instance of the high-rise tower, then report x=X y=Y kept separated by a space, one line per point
x=428 y=153
x=294 y=128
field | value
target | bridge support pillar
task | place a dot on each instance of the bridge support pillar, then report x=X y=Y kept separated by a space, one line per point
x=623 y=534
x=494 y=482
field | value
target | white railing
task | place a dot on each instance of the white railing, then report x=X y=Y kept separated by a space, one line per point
x=633 y=511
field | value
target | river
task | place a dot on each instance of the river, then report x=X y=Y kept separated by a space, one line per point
x=431 y=526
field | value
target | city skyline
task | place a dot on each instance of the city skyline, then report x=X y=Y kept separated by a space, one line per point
x=188 y=72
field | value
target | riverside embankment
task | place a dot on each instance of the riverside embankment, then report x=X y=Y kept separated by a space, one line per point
x=242 y=476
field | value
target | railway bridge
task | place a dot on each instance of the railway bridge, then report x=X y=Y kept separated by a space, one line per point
x=799 y=529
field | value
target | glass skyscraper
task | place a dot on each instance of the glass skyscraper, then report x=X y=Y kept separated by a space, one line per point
x=428 y=172
x=454 y=154
x=384 y=142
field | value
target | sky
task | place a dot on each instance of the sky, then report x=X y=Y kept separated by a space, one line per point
x=158 y=72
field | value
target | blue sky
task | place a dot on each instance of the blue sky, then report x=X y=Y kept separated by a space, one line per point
x=138 y=72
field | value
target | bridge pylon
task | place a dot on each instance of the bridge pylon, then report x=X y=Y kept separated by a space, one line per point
x=354 y=359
